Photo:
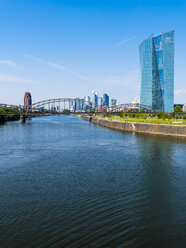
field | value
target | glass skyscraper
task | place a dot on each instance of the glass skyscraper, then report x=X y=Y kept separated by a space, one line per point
x=105 y=100
x=157 y=72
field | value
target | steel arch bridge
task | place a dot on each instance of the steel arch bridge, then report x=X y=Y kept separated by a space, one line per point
x=71 y=104
x=64 y=103
x=59 y=104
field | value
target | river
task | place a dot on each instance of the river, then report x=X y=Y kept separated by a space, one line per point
x=65 y=182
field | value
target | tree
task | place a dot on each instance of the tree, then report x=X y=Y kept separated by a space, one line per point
x=66 y=111
x=178 y=109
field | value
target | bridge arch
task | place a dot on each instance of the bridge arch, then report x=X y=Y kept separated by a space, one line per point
x=72 y=103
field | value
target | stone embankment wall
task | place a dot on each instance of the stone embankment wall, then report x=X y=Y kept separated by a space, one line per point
x=163 y=129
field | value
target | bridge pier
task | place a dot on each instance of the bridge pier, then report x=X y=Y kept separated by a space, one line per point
x=22 y=118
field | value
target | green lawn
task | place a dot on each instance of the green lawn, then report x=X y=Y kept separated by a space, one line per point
x=154 y=120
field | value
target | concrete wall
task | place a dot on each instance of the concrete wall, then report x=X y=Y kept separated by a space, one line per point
x=163 y=129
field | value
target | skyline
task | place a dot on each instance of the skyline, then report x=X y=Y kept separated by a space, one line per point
x=55 y=49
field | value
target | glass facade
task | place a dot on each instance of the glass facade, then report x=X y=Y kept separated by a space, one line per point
x=94 y=99
x=157 y=72
x=105 y=100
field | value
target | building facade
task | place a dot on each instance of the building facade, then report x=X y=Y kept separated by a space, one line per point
x=105 y=100
x=27 y=100
x=113 y=102
x=94 y=99
x=157 y=72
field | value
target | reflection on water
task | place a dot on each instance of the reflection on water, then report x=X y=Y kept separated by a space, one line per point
x=65 y=182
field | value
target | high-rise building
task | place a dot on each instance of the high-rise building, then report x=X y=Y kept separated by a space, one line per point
x=113 y=102
x=87 y=103
x=27 y=100
x=157 y=72
x=105 y=100
x=94 y=99
x=77 y=104
x=101 y=101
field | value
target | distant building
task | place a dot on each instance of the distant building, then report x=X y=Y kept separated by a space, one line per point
x=157 y=72
x=77 y=104
x=113 y=102
x=87 y=103
x=72 y=106
x=81 y=105
x=184 y=108
x=136 y=101
x=27 y=100
x=94 y=99
x=105 y=100
x=101 y=101
x=87 y=99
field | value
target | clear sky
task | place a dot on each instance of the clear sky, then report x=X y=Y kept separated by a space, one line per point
x=64 y=48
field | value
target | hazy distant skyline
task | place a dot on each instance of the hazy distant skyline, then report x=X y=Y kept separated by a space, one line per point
x=64 y=48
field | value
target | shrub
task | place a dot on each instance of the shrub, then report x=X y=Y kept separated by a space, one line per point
x=121 y=115
x=143 y=116
x=161 y=115
x=138 y=116
x=184 y=117
x=178 y=109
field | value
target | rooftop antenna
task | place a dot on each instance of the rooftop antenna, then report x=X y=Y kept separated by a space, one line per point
x=161 y=29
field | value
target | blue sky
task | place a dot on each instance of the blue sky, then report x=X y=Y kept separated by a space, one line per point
x=64 y=48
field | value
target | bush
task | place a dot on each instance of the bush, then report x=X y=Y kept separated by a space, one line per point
x=178 y=109
x=123 y=114
x=66 y=111
x=161 y=115
x=105 y=115
x=138 y=116
x=143 y=116
x=184 y=117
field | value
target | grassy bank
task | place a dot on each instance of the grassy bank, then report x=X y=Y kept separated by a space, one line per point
x=159 y=118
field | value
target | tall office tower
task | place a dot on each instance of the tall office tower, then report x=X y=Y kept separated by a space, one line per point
x=157 y=72
x=87 y=103
x=94 y=99
x=101 y=101
x=113 y=102
x=81 y=105
x=77 y=104
x=105 y=100
x=27 y=100
x=87 y=99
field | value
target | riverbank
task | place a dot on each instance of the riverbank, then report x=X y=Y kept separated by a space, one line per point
x=10 y=117
x=160 y=129
x=5 y=118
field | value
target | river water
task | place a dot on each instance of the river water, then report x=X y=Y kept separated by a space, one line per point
x=65 y=182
